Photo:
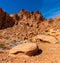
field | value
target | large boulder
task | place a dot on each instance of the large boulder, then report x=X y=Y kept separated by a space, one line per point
x=46 y=38
x=25 y=48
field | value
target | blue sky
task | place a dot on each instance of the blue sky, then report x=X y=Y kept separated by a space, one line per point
x=49 y=8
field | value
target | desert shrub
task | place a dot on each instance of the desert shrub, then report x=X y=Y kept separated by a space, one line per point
x=2 y=44
x=31 y=40
x=7 y=37
x=14 y=41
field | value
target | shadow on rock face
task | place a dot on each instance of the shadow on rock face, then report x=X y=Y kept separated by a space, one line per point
x=25 y=55
x=5 y=20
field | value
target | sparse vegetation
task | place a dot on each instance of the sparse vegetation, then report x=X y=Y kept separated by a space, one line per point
x=14 y=41
x=7 y=37
x=31 y=40
x=2 y=44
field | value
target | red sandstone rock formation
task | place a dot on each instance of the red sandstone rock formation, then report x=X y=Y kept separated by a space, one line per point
x=5 y=20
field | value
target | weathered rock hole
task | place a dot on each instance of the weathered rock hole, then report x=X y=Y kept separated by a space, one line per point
x=38 y=52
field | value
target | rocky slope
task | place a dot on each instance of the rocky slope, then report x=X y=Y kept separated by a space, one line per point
x=29 y=23
x=22 y=25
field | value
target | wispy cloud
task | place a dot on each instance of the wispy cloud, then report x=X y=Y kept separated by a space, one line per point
x=52 y=13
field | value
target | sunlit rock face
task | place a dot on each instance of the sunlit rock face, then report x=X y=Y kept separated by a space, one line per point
x=5 y=20
x=29 y=23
